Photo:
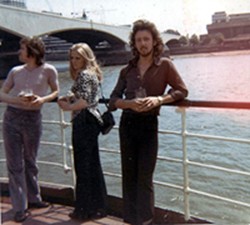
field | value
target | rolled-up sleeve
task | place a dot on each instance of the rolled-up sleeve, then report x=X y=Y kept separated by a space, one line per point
x=178 y=89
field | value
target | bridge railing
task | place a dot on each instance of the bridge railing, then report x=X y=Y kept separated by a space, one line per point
x=182 y=108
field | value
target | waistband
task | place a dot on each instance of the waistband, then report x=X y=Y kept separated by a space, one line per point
x=19 y=110
x=152 y=112
x=138 y=115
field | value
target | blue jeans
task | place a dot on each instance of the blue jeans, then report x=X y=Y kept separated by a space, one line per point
x=22 y=130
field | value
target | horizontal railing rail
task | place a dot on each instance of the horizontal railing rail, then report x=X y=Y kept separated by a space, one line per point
x=212 y=104
x=204 y=104
x=183 y=106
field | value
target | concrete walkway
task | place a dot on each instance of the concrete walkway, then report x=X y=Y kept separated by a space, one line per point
x=55 y=214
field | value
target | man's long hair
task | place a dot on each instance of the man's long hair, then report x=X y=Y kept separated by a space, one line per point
x=35 y=48
x=140 y=25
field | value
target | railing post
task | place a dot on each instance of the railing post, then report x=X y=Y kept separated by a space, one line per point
x=63 y=140
x=64 y=146
x=182 y=110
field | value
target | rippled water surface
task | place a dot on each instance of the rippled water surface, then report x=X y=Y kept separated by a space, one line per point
x=216 y=77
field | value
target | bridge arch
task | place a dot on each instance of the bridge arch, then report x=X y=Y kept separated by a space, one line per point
x=113 y=39
x=96 y=39
x=9 y=40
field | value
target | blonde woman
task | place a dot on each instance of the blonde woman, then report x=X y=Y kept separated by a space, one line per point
x=90 y=190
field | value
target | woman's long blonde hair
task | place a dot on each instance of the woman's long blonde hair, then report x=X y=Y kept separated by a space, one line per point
x=91 y=64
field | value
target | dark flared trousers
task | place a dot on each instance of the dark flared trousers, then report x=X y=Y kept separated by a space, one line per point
x=139 y=145
x=90 y=190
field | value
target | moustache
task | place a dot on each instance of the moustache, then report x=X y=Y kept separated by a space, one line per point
x=143 y=48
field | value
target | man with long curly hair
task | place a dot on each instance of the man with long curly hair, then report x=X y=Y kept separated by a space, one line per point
x=139 y=92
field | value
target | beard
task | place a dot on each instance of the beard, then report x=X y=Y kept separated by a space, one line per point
x=144 y=53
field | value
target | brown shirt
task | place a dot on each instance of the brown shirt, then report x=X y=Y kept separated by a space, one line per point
x=159 y=75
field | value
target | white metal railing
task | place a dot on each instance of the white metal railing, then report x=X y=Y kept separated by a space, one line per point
x=184 y=134
x=65 y=148
x=186 y=162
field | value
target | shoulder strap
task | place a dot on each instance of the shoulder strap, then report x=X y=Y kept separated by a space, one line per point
x=104 y=99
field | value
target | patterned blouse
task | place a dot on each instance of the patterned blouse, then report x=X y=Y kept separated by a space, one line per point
x=86 y=86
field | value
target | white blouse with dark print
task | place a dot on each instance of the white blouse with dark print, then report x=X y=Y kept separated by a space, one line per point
x=86 y=86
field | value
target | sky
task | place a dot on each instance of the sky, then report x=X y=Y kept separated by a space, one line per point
x=188 y=17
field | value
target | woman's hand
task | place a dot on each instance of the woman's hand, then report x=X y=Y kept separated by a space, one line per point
x=63 y=103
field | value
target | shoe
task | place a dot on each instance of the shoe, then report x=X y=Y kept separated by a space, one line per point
x=37 y=205
x=98 y=215
x=20 y=216
x=78 y=215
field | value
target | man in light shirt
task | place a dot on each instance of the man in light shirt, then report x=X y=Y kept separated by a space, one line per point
x=25 y=90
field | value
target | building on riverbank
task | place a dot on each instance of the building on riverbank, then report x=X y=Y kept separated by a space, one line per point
x=231 y=25
x=225 y=33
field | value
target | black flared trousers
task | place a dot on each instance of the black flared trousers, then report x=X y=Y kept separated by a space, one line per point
x=139 y=145
x=90 y=190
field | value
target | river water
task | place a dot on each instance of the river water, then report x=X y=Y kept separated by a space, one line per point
x=217 y=77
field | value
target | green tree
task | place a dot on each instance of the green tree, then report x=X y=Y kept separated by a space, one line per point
x=219 y=38
x=183 y=40
x=206 y=40
x=170 y=31
x=194 y=40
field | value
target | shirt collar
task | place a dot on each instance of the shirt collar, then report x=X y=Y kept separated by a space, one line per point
x=133 y=62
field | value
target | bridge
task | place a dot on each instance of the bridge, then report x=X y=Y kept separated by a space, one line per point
x=16 y=23
x=22 y=22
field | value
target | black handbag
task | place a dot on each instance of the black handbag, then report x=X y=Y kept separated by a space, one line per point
x=107 y=117
x=108 y=122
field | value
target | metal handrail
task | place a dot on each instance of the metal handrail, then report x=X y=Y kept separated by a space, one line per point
x=182 y=107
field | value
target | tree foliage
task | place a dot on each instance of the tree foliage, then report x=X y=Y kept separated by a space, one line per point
x=194 y=40
x=183 y=40
x=219 y=38
x=170 y=31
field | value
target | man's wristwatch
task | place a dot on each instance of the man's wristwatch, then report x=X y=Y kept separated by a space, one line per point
x=160 y=100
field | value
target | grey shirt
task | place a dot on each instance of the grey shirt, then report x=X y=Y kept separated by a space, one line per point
x=38 y=80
